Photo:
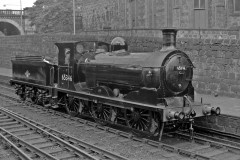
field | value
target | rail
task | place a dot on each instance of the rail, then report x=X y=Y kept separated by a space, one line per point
x=19 y=152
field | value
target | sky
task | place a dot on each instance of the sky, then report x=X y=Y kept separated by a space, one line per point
x=15 y=4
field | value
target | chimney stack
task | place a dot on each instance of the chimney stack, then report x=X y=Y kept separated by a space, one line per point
x=169 y=39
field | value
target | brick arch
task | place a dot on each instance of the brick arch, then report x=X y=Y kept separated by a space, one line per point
x=14 y=23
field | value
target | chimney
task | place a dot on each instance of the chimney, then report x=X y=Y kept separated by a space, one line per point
x=169 y=39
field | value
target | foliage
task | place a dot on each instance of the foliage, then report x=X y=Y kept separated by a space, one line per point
x=52 y=16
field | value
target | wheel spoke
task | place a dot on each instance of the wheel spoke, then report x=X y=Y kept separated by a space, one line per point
x=105 y=114
x=145 y=115
x=145 y=127
x=107 y=111
x=138 y=126
x=61 y=100
x=145 y=120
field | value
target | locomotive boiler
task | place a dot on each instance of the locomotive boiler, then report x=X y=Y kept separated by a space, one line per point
x=142 y=77
x=145 y=91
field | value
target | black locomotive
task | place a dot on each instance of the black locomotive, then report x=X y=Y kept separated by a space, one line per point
x=144 y=91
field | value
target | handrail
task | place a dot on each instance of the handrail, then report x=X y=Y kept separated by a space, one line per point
x=27 y=58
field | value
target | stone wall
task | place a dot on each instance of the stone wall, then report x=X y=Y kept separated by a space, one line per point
x=217 y=63
x=42 y=45
x=223 y=123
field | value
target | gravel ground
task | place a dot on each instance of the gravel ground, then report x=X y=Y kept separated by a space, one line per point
x=136 y=151
x=6 y=154
x=4 y=80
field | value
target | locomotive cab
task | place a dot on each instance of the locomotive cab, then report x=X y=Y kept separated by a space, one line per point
x=66 y=53
x=70 y=53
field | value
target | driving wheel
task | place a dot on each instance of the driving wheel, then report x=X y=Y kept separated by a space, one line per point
x=101 y=113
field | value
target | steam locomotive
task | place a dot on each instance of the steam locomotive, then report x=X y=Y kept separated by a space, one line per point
x=143 y=91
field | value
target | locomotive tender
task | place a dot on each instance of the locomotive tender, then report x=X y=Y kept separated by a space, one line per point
x=143 y=91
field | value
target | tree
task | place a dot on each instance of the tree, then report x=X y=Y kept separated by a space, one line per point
x=52 y=16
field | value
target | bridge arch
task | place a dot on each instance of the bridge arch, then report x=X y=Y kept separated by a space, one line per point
x=10 y=27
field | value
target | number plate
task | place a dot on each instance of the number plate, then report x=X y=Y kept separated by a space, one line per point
x=180 y=68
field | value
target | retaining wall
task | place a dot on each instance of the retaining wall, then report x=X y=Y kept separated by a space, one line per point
x=224 y=123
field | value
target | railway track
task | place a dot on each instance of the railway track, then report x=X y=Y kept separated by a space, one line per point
x=199 y=148
x=41 y=141
x=217 y=150
x=215 y=135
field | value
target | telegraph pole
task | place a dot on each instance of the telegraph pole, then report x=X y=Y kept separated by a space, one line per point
x=21 y=13
x=74 y=18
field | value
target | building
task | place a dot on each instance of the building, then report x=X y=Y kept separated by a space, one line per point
x=127 y=14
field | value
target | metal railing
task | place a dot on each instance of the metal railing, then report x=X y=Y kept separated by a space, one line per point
x=11 y=13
